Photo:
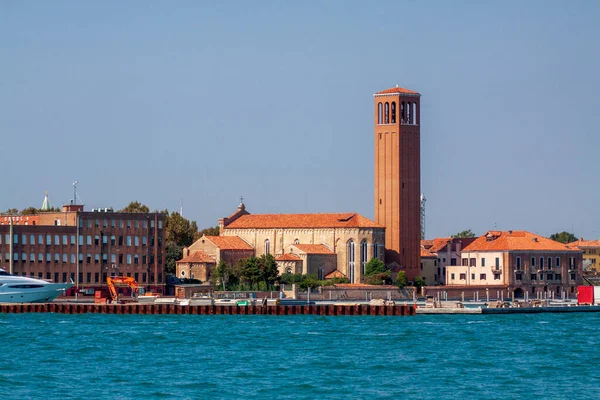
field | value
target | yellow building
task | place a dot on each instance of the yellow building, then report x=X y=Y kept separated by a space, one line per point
x=591 y=253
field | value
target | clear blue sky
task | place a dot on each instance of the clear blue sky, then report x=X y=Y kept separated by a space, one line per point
x=206 y=101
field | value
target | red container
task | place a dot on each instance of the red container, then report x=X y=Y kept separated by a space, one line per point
x=585 y=295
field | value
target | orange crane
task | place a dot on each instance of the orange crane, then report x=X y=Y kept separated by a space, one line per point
x=129 y=281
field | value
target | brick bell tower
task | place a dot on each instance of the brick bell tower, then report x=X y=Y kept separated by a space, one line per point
x=398 y=176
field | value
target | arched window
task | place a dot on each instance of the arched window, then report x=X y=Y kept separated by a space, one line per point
x=320 y=274
x=350 y=258
x=393 y=112
x=403 y=113
x=267 y=246
x=375 y=250
x=414 y=114
x=408 y=113
x=297 y=241
x=379 y=113
x=387 y=113
x=288 y=270
x=363 y=256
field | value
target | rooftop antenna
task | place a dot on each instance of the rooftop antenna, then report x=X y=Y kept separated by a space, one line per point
x=75 y=193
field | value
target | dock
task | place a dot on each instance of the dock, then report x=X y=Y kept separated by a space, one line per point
x=159 y=309
x=511 y=310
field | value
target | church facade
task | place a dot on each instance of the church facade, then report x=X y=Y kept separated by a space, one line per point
x=324 y=243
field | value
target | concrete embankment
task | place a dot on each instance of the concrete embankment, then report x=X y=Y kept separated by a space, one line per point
x=315 y=309
x=515 y=310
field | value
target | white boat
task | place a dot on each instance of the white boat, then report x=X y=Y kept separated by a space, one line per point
x=21 y=289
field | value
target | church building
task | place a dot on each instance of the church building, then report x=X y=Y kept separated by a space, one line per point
x=340 y=244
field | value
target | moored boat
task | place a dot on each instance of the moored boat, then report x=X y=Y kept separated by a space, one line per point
x=21 y=289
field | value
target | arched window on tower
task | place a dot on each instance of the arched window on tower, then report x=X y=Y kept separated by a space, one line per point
x=408 y=112
x=393 y=112
x=363 y=256
x=267 y=246
x=350 y=259
x=414 y=114
x=403 y=113
x=387 y=113
x=379 y=113
x=297 y=241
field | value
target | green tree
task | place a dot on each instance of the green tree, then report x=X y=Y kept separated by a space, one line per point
x=290 y=278
x=563 y=237
x=30 y=211
x=378 y=279
x=249 y=271
x=180 y=230
x=375 y=266
x=309 y=281
x=224 y=274
x=401 y=280
x=419 y=282
x=464 y=234
x=268 y=267
x=212 y=231
x=135 y=207
x=11 y=211
x=173 y=253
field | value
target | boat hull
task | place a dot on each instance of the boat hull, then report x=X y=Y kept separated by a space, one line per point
x=44 y=294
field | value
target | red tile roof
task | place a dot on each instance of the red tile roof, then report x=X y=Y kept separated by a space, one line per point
x=439 y=244
x=516 y=240
x=338 y=220
x=287 y=257
x=313 y=248
x=397 y=90
x=197 y=257
x=335 y=274
x=426 y=253
x=584 y=243
x=229 y=242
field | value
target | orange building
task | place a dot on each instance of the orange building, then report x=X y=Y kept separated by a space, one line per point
x=398 y=176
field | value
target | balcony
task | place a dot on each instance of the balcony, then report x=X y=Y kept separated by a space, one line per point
x=497 y=271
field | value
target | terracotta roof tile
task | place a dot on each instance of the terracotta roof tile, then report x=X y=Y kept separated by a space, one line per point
x=516 y=240
x=287 y=257
x=439 y=244
x=584 y=243
x=397 y=90
x=337 y=220
x=427 y=254
x=426 y=244
x=313 y=248
x=335 y=274
x=229 y=242
x=197 y=257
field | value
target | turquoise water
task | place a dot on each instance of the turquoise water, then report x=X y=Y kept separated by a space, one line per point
x=185 y=356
